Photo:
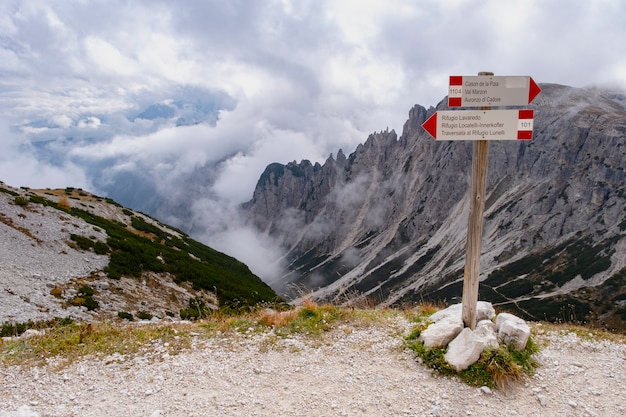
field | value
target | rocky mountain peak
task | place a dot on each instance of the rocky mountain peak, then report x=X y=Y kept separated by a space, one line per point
x=389 y=223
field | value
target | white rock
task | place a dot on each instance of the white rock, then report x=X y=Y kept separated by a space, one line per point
x=441 y=333
x=484 y=311
x=486 y=332
x=23 y=411
x=502 y=317
x=512 y=331
x=102 y=285
x=464 y=350
x=32 y=332
x=542 y=400
x=454 y=311
x=487 y=323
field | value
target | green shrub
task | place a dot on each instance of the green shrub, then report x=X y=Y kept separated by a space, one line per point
x=125 y=316
x=197 y=309
x=86 y=290
x=16 y=329
x=144 y=315
x=91 y=303
x=113 y=202
x=20 y=200
x=82 y=242
x=100 y=248
x=86 y=301
x=7 y=191
x=142 y=225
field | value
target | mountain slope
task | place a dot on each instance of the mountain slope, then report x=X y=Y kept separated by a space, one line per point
x=70 y=253
x=389 y=221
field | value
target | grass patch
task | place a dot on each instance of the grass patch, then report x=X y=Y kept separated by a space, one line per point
x=310 y=319
x=16 y=329
x=197 y=309
x=74 y=341
x=423 y=311
x=498 y=368
x=67 y=341
x=21 y=200
x=583 y=332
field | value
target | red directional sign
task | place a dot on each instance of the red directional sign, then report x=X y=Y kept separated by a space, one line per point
x=490 y=90
x=481 y=125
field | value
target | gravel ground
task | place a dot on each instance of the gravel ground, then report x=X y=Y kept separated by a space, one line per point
x=348 y=372
x=35 y=257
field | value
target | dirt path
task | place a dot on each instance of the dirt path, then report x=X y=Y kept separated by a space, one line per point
x=348 y=372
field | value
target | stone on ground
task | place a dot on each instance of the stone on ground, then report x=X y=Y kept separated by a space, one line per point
x=484 y=311
x=464 y=350
x=486 y=332
x=512 y=330
x=439 y=334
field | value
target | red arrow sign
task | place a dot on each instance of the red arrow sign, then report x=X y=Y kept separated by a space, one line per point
x=533 y=90
x=489 y=90
x=481 y=125
x=430 y=125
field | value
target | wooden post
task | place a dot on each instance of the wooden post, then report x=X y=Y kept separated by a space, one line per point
x=480 y=160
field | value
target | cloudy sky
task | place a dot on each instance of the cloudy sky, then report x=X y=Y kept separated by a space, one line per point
x=92 y=89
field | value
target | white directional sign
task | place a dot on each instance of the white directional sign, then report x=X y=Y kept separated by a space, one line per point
x=489 y=90
x=481 y=125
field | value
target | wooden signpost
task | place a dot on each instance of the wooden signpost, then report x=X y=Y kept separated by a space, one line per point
x=481 y=126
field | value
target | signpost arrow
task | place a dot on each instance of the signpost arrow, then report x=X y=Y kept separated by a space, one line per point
x=481 y=125
x=489 y=90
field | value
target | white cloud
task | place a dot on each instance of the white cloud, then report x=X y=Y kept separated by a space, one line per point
x=257 y=251
x=27 y=170
x=289 y=79
x=240 y=173
x=108 y=59
x=20 y=166
x=63 y=121
x=90 y=122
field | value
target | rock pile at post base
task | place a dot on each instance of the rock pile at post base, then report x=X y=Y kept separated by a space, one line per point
x=466 y=345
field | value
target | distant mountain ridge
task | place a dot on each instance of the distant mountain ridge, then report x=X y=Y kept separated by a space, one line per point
x=389 y=221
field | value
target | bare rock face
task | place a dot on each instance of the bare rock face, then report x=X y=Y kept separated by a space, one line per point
x=388 y=222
